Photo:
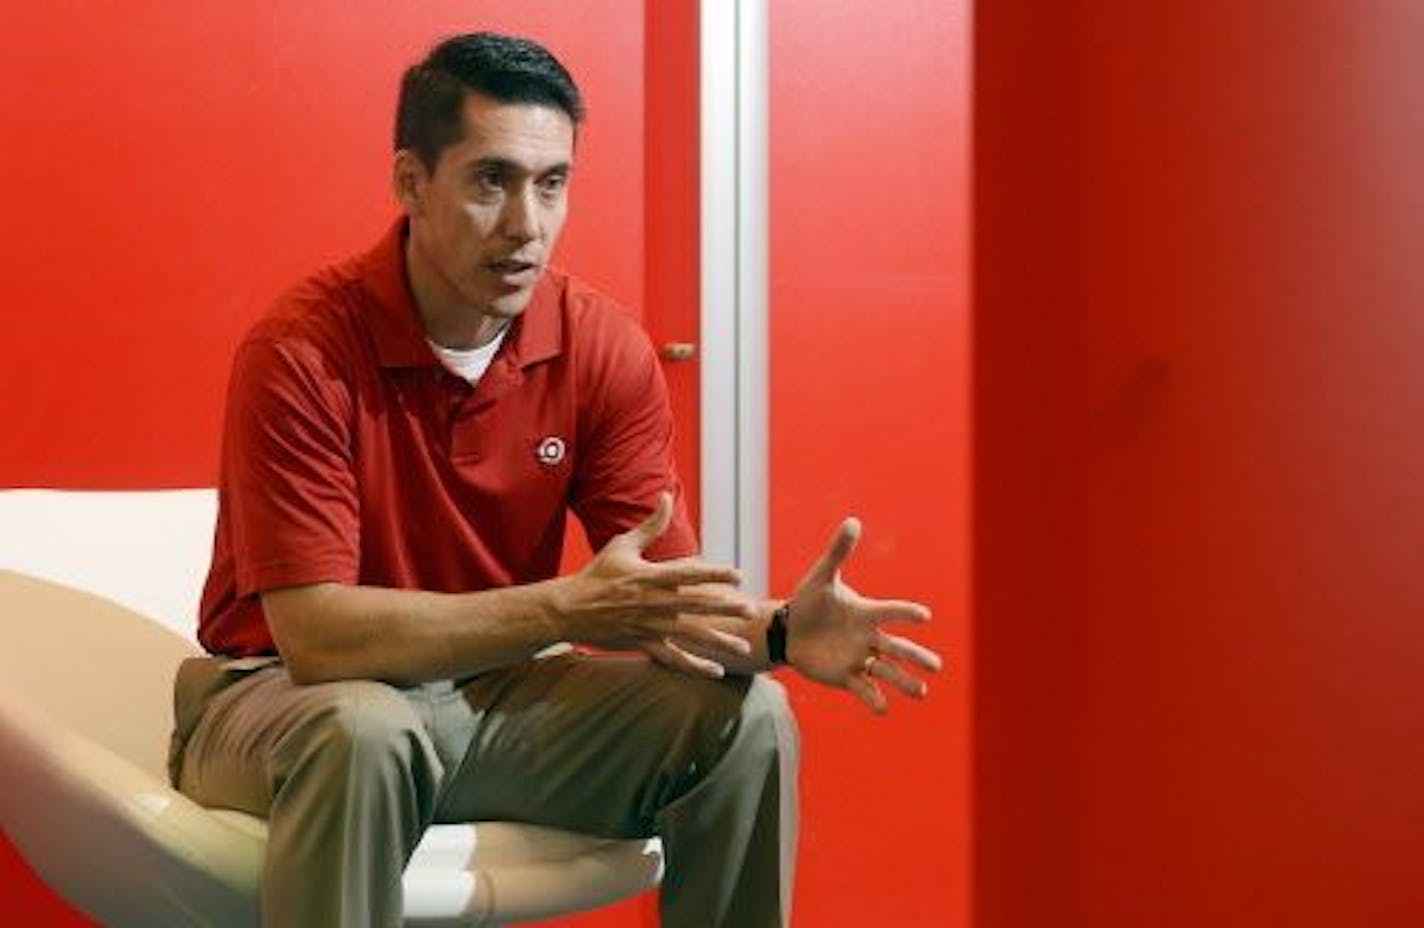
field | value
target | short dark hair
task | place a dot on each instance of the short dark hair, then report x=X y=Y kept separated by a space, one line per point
x=430 y=114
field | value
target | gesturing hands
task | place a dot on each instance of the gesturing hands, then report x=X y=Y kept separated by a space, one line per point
x=689 y=615
x=834 y=636
x=621 y=600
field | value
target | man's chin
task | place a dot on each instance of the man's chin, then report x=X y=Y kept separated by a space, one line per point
x=510 y=305
x=505 y=305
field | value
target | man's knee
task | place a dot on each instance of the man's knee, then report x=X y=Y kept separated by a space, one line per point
x=744 y=734
x=754 y=715
x=767 y=718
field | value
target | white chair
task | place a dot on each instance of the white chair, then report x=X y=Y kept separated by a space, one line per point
x=85 y=713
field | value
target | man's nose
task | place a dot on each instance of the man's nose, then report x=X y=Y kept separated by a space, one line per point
x=521 y=220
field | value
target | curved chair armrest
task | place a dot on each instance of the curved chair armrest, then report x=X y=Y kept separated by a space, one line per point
x=113 y=839
x=128 y=849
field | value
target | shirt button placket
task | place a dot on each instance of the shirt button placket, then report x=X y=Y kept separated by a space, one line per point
x=464 y=444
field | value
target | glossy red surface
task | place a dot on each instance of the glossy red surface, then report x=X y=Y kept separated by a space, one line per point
x=870 y=416
x=1198 y=514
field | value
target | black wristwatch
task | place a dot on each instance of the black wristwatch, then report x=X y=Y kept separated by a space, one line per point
x=776 y=635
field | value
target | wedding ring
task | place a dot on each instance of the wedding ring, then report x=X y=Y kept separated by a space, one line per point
x=869 y=663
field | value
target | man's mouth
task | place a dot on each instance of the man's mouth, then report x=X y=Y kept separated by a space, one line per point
x=510 y=266
x=514 y=273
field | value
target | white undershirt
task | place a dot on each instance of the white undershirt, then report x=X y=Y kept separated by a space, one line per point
x=470 y=363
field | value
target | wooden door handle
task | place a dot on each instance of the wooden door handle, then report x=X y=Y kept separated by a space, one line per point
x=678 y=351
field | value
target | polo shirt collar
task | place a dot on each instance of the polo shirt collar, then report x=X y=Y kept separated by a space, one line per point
x=537 y=334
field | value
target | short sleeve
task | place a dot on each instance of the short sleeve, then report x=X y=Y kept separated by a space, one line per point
x=291 y=493
x=626 y=457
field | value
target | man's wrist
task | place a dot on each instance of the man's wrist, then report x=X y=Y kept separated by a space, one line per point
x=776 y=633
x=553 y=609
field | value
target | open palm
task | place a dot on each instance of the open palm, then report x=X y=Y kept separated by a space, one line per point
x=834 y=634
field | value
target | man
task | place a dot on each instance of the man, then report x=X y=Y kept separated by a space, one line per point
x=404 y=435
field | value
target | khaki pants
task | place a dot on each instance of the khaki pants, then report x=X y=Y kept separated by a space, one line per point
x=350 y=774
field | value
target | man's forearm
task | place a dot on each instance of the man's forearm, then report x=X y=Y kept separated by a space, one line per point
x=332 y=631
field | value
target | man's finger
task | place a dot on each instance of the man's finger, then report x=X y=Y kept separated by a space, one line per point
x=648 y=531
x=897 y=610
x=842 y=544
x=893 y=675
x=868 y=693
x=666 y=652
x=907 y=650
x=715 y=638
x=701 y=602
x=734 y=643
x=691 y=571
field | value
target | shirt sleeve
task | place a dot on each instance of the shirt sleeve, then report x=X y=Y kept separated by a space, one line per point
x=287 y=469
x=626 y=457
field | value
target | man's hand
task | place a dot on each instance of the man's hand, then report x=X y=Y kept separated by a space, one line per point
x=834 y=637
x=738 y=652
x=621 y=600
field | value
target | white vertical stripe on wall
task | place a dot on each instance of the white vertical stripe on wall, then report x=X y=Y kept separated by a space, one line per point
x=734 y=285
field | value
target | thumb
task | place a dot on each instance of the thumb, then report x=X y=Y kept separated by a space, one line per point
x=842 y=544
x=651 y=528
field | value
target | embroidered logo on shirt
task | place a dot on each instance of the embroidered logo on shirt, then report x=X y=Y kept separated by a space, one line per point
x=550 y=451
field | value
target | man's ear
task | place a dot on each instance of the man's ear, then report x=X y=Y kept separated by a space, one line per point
x=408 y=179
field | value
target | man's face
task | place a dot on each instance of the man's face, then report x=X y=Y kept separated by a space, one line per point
x=485 y=220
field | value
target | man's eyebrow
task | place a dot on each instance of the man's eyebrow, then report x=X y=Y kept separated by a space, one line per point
x=509 y=166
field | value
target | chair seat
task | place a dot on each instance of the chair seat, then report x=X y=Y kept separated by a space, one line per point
x=84 y=799
x=501 y=871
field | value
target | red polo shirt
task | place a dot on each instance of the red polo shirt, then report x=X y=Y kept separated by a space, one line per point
x=351 y=454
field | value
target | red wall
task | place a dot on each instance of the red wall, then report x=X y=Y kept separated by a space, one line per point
x=1198 y=397
x=170 y=168
x=869 y=416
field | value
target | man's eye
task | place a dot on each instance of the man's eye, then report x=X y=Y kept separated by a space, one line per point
x=490 y=180
x=553 y=184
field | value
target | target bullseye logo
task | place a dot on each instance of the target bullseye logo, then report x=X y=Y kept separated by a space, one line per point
x=550 y=452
